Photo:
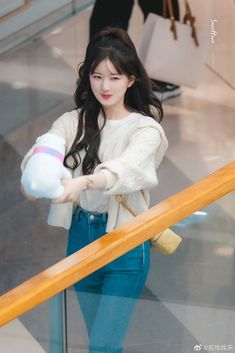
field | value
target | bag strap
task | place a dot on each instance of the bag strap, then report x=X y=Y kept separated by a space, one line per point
x=168 y=3
x=187 y=17
x=121 y=199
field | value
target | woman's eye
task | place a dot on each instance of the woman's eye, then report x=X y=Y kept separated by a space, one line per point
x=96 y=77
x=115 y=78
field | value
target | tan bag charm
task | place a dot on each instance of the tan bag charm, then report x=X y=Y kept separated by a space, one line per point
x=166 y=242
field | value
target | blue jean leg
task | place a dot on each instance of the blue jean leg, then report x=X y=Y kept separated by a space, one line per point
x=108 y=296
x=119 y=295
x=88 y=290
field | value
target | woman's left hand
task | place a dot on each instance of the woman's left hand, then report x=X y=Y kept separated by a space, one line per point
x=72 y=189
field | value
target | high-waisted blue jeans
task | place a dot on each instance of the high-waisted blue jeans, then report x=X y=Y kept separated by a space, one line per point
x=107 y=297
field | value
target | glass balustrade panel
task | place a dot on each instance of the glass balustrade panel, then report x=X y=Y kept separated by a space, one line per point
x=188 y=302
x=41 y=330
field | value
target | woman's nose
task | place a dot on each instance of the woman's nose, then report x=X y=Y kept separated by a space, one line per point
x=105 y=85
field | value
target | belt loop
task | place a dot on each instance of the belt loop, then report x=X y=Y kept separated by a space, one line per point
x=104 y=217
x=78 y=210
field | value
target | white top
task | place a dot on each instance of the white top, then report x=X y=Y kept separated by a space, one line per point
x=97 y=200
x=131 y=150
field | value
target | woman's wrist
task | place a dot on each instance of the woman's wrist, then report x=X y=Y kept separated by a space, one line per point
x=94 y=181
x=87 y=182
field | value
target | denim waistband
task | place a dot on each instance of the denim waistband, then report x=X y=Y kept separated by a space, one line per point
x=91 y=216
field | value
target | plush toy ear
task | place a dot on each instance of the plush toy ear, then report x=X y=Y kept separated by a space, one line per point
x=44 y=170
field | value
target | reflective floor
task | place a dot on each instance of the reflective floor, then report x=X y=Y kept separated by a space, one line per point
x=189 y=301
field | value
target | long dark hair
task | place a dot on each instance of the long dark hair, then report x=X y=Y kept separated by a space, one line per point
x=113 y=44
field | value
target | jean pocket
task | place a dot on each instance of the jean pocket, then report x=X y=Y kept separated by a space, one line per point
x=77 y=236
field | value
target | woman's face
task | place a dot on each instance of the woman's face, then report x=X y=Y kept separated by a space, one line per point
x=109 y=86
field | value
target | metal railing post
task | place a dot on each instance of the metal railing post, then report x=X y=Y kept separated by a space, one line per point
x=64 y=321
x=58 y=323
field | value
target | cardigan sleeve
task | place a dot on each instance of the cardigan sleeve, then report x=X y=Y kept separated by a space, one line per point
x=60 y=127
x=136 y=168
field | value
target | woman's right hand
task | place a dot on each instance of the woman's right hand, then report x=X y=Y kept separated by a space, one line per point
x=28 y=197
x=72 y=189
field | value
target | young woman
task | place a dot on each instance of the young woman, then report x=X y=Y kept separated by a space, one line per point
x=117 y=13
x=114 y=143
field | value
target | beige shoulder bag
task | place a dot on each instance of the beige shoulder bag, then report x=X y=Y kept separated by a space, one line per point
x=166 y=242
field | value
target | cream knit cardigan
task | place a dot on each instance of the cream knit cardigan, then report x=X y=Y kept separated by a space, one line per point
x=129 y=165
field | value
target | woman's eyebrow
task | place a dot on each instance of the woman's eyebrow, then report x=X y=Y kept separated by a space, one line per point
x=111 y=73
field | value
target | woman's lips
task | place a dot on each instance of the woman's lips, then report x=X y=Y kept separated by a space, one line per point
x=106 y=96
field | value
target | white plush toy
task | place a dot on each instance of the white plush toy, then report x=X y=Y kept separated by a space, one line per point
x=44 y=170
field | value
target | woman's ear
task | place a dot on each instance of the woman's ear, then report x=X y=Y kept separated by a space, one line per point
x=131 y=80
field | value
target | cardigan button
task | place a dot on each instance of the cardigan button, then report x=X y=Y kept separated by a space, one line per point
x=92 y=217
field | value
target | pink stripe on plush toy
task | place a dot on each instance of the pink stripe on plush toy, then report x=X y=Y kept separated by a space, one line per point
x=50 y=151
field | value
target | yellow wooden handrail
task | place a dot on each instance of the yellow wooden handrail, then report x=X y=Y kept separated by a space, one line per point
x=87 y=260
